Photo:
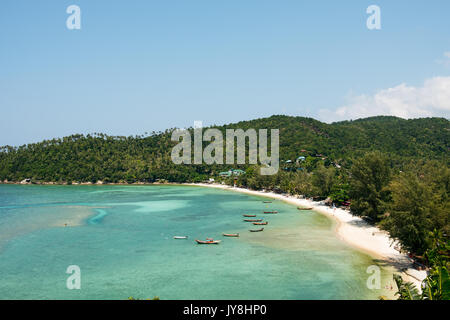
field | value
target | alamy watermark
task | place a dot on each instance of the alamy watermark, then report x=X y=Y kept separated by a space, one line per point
x=73 y=282
x=73 y=21
x=214 y=152
x=374 y=20
x=374 y=280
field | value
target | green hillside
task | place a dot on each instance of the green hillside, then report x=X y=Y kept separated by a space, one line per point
x=138 y=158
x=427 y=138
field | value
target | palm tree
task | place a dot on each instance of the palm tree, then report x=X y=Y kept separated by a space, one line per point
x=436 y=285
x=406 y=290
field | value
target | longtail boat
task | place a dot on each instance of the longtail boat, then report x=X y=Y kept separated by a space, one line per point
x=210 y=241
x=253 y=220
x=260 y=223
x=249 y=215
x=180 y=237
x=231 y=234
x=271 y=212
x=257 y=230
x=304 y=208
x=267 y=201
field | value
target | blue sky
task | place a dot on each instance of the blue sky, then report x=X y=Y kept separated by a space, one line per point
x=139 y=66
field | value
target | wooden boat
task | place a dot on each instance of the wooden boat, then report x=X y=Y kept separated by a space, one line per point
x=261 y=223
x=267 y=201
x=249 y=215
x=253 y=220
x=271 y=212
x=304 y=208
x=180 y=237
x=257 y=230
x=208 y=241
x=231 y=235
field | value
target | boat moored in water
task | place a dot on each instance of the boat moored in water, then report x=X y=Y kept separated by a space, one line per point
x=304 y=208
x=253 y=220
x=180 y=237
x=208 y=241
x=257 y=230
x=231 y=235
x=270 y=212
x=261 y=223
x=249 y=215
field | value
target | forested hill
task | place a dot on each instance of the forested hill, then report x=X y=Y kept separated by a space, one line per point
x=147 y=158
x=426 y=138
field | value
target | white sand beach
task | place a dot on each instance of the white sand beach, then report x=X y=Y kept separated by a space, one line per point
x=351 y=229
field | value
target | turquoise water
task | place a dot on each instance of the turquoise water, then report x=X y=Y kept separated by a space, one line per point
x=121 y=238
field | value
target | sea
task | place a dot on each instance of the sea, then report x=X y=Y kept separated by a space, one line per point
x=116 y=241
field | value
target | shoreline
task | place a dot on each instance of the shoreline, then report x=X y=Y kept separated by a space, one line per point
x=351 y=229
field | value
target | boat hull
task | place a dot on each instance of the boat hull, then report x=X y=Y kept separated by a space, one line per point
x=208 y=241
